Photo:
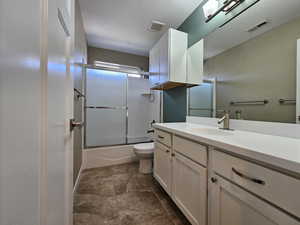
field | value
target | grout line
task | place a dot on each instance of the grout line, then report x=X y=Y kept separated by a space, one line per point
x=164 y=208
x=152 y=188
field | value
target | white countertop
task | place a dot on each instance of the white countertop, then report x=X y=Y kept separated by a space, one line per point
x=282 y=152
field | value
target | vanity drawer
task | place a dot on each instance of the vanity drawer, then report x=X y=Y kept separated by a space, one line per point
x=163 y=137
x=275 y=187
x=190 y=149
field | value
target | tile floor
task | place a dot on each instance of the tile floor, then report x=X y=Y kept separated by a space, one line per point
x=119 y=195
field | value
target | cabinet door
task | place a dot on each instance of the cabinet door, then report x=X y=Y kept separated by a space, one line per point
x=190 y=189
x=162 y=166
x=178 y=43
x=164 y=58
x=195 y=63
x=154 y=65
x=232 y=205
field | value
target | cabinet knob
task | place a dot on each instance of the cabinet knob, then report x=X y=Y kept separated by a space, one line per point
x=167 y=151
x=214 y=180
x=173 y=154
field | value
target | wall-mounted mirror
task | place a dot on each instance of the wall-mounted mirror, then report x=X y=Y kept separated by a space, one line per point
x=254 y=61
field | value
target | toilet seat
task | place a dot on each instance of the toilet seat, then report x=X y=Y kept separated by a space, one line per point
x=145 y=147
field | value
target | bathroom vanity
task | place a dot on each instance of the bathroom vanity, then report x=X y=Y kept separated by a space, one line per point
x=228 y=177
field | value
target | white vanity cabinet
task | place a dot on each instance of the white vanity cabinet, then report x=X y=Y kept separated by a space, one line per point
x=163 y=159
x=180 y=168
x=189 y=184
x=213 y=186
x=172 y=64
x=189 y=188
x=233 y=205
x=244 y=193
x=162 y=166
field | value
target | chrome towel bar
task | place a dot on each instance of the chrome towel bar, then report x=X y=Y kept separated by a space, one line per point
x=107 y=107
x=283 y=101
x=255 y=102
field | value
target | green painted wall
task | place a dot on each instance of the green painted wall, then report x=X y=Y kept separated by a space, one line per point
x=197 y=29
x=175 y=105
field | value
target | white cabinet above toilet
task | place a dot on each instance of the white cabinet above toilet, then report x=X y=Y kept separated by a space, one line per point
x=172 y=64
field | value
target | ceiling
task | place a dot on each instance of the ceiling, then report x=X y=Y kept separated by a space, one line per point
x=122 y=25
x=276 y=12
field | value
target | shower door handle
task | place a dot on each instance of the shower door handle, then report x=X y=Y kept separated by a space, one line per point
x=74 y=124
x=107 y=107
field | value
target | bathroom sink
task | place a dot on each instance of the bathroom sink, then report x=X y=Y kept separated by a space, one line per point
x=211 y=131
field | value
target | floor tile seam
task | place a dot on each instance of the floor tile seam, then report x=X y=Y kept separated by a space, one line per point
x=164 y=208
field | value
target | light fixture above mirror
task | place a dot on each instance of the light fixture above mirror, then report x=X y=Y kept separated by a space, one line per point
x=211 y=8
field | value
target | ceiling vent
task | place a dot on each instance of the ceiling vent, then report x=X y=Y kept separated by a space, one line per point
x=258 y=26
x=156 y=26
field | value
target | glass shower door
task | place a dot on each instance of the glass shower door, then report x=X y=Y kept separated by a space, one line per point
x=106 y=108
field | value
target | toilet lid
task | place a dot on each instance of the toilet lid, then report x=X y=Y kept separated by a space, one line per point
x=145 y=147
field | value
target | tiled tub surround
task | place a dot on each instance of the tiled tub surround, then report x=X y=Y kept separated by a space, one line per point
x=119 y=195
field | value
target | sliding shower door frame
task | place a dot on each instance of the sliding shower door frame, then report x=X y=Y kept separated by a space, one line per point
x=86 y=107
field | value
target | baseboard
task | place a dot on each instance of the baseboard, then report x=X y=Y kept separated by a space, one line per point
x=108 y=156
x=78 y=179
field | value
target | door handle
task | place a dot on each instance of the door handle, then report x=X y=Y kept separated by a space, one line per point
x=255 y=180
x=74 y=124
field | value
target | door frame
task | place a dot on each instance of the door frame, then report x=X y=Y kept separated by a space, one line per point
x=298 y=83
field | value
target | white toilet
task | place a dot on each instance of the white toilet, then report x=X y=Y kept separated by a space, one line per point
x=145 y=152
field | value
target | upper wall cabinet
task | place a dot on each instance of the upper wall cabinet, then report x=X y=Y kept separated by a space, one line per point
x=172 y=64
x=195 y=63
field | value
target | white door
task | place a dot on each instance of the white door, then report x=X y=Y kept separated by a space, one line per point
x=36 y=103
x=21 y=97
x=232 y=205
x=59 y=139
x=162 y=166
x=298 y=83
x=189 y=188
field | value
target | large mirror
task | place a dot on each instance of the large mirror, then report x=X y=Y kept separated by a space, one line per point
x=251 y=66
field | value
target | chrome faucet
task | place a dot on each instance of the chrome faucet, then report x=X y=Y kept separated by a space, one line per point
x=225 y=120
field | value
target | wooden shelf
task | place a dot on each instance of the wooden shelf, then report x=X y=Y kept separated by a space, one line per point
x=169 y=85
